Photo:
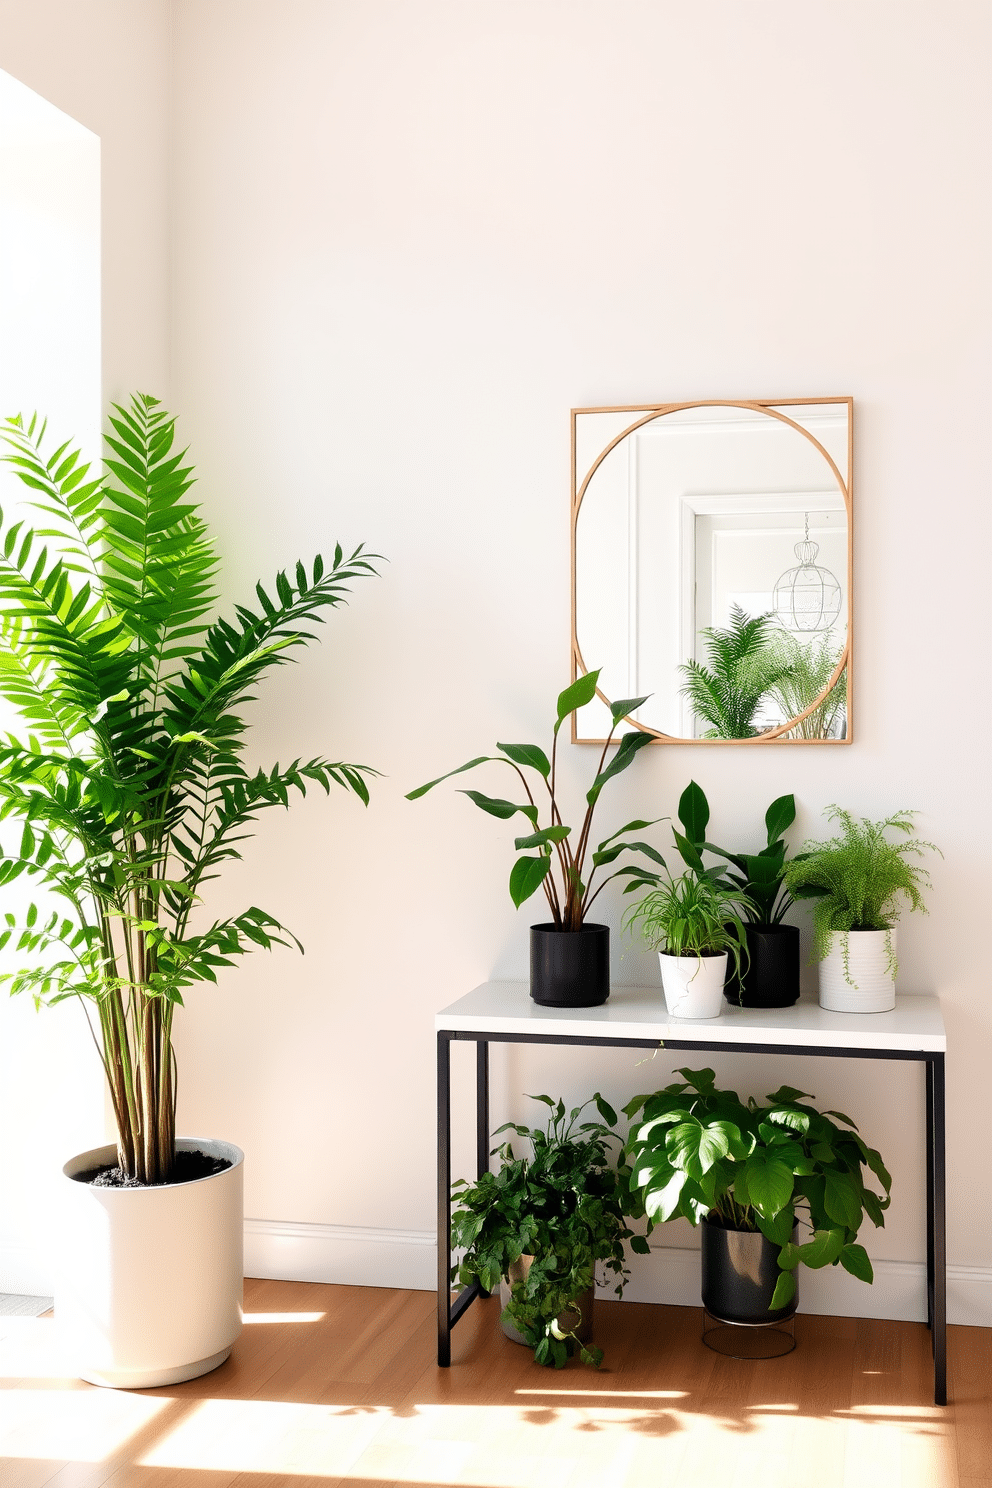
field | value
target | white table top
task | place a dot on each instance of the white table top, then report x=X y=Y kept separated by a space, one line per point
x=640 y=1013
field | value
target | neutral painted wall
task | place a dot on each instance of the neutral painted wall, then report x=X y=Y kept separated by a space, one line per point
x=107 y=63
x=106 y=67
x=408 y=240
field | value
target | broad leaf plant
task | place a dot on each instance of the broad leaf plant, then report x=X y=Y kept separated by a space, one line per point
x=701 y=1152
x=555 y=846
x=129 y=786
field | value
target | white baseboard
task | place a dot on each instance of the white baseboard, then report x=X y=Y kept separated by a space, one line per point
x=357 y=1256
x=350 y=1256
x=360 y=1256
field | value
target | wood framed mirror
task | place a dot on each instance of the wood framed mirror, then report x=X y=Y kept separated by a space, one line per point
x=712 y=568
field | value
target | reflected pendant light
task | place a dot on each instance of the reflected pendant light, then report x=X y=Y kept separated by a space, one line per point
x=806 y=598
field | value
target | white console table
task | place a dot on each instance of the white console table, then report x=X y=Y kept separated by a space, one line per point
x=635 y=1017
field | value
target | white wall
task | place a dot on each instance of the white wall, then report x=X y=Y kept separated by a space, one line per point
x=407 y=240
x=105 y=68
x=107 y=63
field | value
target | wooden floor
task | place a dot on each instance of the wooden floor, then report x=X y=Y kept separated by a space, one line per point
x=337 y=1385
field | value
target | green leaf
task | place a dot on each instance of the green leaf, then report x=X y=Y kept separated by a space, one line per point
x=787 y=1093
x=689 y=853
x=839 y=1115
x=542 y=838
x=770 y=1184
x=694 y=813
x=526 y=876
x=695 y=1148
x=605 y=1110
x=779 y=817
x=581 y=692
x=661 y=1203
x=630 y=744
x=840 y=1199
x=778 y=1229
x=528 y=754
x=854 y=1258
x=822 y=1250
x=878 y=1167
x=497 y=807
x=621 y=709
x=423 y=789
x=785 y=1290
x=638 y=825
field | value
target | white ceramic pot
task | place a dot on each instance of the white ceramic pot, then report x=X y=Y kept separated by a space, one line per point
x=856 y=974
x=151 y=1280
x=693 y=985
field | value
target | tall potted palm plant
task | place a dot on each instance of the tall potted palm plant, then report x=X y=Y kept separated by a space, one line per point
x=130 y=791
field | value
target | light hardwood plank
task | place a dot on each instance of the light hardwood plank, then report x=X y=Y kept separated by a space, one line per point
x=336 y=1387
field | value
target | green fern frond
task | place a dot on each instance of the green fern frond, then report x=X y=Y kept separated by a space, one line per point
x=857 y=880
x=742 y=668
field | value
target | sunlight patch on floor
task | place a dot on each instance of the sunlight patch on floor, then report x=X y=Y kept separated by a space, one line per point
x=77 y=1424
x=283 y=1317
x=553 y=1445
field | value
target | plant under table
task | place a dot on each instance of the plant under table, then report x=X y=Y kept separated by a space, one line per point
x=636 y=1018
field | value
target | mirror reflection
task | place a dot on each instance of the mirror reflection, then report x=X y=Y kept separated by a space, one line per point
x=711 y=562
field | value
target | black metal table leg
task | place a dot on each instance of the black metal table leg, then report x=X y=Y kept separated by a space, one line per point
x=481 y=1108
x=443 y=1199
x=931 y=1270
x=937 y=1198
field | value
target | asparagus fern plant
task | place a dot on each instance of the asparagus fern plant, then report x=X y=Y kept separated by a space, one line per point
x=130 y=786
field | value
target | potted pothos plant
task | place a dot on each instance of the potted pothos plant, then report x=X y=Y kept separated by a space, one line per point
x=569 y=955
x=774 y=1186
x=694 y=924
x=769 y=976
x=130 y=792
x=538 y=1226
x=858 y=882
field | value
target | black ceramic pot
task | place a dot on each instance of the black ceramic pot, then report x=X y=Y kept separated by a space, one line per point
x=570 y=968
x=771 y=977
x=740 y=1272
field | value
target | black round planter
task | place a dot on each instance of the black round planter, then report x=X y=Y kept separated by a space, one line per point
x=771 y=977
x=570 y=968
x=740 y=1272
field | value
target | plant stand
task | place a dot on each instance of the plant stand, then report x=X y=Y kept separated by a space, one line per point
x=749 y=1340
x=635 y=1018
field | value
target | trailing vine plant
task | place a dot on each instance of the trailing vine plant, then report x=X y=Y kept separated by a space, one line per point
x=564 y=1205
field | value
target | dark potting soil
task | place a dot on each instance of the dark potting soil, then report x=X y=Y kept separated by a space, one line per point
x=188 y=1168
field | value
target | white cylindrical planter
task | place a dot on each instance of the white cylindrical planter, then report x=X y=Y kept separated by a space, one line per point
x=151 y=1279
x=865 y=984
x=693 y=985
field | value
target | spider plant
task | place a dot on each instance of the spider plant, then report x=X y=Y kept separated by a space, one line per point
x=691 y=916
x=130 y=786
x=743 y=667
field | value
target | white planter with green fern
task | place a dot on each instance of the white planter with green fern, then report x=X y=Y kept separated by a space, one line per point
x=858 y=973
x=856 y=884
